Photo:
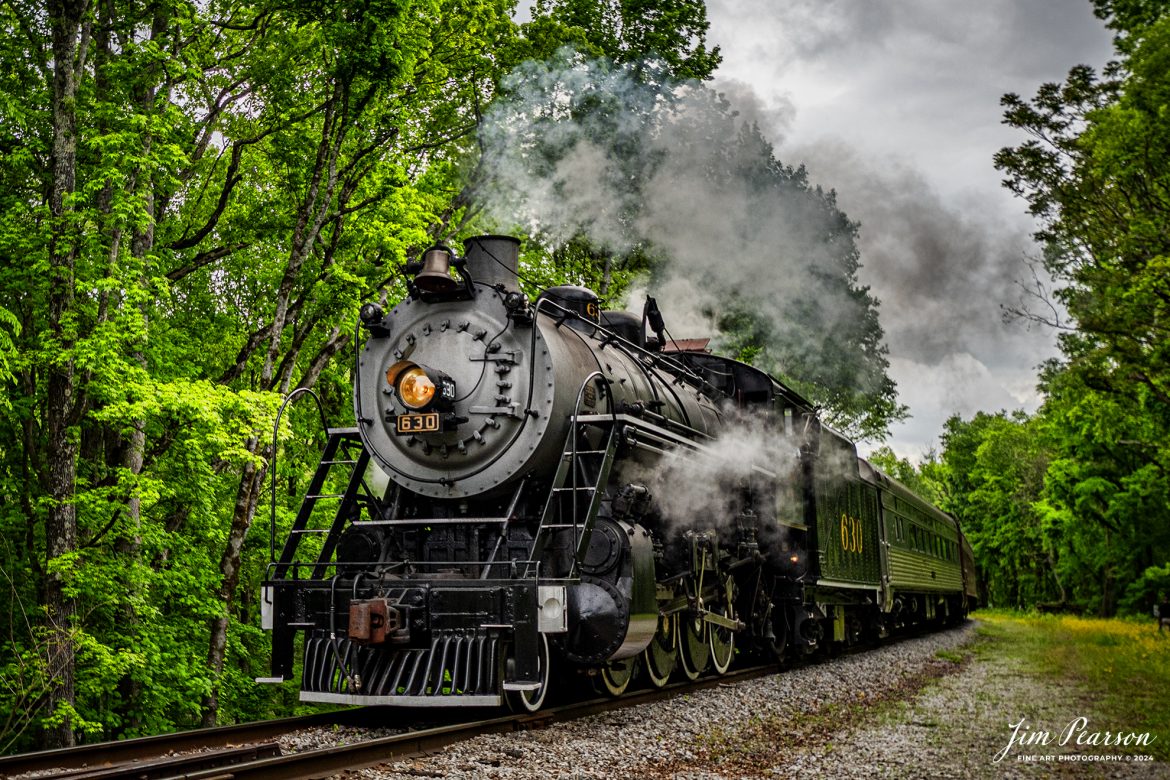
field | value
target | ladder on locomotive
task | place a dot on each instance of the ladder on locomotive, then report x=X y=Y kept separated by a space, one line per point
x=343 y=452
x=572 y=504
x=578 y=486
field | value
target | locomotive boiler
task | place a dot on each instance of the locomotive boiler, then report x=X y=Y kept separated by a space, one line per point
x=498 y=509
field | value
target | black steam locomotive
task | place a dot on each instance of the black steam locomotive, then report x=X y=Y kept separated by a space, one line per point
x=509 y=502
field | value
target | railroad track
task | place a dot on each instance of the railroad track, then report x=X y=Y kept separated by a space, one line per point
x=333 y=760
x=245 y=751
x=70 y=762
x=152 y=758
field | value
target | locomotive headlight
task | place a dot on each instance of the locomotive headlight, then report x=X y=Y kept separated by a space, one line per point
x=415 y=388
x=419 y=387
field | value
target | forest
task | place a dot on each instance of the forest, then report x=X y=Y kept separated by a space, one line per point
x=1069 y=508
x=196 y=197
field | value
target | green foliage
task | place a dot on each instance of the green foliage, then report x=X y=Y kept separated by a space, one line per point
x=245 y=175
x=9 y=328
x=1153 y=587
x=1096 y=174
x=994 y=467
x=924 y=479
x=1058 y=511
x=626 y=31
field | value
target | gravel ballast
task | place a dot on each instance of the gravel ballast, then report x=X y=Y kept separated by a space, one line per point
x=937 y=706
x=920 y=708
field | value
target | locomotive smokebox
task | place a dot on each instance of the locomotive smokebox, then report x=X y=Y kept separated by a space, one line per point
x=493 y=260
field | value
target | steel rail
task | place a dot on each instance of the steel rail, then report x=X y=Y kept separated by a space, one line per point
x=174 y=766
x=328 y=761
x=325 y=762
x=125 y=750
x=333 y=760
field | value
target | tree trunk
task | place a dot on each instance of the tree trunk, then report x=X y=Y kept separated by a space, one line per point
x=310 y=220
x=65 y=21
x=247 y=497
x=1056 y=579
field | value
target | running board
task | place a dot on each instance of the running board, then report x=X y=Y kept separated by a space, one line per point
x=359 y=700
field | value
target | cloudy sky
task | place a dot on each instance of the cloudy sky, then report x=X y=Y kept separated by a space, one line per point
x=895 y=105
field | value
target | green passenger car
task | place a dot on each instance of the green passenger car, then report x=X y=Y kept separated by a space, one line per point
x=923 y=554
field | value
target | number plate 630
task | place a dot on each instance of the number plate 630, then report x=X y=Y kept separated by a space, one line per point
x=416 y=423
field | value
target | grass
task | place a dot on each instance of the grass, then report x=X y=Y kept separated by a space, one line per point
x=1120 y=667
x=954 y=656
x=1123 y=664
x=752 y=748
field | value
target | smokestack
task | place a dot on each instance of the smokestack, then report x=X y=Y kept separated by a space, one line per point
x=493 y=260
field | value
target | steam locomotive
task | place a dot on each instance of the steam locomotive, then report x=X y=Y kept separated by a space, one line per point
x=502 y=507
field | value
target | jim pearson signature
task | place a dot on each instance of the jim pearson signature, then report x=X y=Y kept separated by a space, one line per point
x=1077 y=732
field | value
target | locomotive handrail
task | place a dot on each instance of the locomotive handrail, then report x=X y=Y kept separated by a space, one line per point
x=570 y=461
x=275 y=449
x=573 y=471
x=355 y=495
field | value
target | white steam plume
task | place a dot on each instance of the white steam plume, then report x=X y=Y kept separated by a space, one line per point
x=618 y=155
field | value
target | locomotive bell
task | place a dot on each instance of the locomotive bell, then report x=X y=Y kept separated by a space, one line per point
x=435 y=276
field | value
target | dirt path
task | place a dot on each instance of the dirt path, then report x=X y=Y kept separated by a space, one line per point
x=959 y=724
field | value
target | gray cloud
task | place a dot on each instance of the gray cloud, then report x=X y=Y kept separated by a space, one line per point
x=897 y=109
x=941 y=270
x=917 y=78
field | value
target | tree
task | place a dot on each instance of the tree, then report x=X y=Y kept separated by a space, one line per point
x=815 y=326
x=924 y=479
x=68 y=26
x=102 y=150
x=993 y=470
x=1096 y=174
x=1105 y=493
x=177 y=175
x=626 y=31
